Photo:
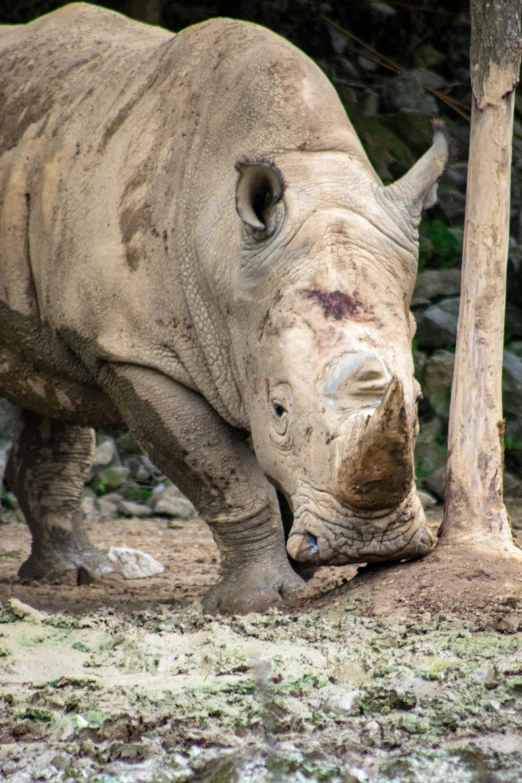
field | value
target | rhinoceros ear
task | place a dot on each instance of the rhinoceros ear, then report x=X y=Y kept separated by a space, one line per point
x=417 y=190
x=260 y=186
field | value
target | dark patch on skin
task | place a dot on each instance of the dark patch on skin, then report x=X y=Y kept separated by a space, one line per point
x=330 y=438
x=265 y=319
x=124 y=112
x=135 y=216
x=133 y=220
x=339 y=305
x=32 y=350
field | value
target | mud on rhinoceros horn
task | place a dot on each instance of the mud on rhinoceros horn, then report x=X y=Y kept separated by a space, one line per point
x=417 y=189
x=260 y=187
x=378 y=471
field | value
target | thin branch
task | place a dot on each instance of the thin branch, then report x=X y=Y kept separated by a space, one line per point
x=386 y=62
x=420 y=8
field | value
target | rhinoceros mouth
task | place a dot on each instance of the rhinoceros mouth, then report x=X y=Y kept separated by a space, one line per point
x=326 y=533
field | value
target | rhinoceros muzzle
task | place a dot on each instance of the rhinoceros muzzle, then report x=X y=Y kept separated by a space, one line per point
x=376 y=468
x=324 y=535
x=373 y=512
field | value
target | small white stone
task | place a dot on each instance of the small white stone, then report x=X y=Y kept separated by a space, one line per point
x=134 y=564
x=81 y=722
x=343 y=703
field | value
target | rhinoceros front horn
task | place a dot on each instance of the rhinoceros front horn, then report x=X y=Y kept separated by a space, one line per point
x=378 y=471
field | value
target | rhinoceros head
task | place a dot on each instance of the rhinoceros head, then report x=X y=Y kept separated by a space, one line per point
x=327 y=274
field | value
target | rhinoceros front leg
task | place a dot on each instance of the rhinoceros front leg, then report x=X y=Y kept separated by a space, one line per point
x=212 y=464
x=47 y=467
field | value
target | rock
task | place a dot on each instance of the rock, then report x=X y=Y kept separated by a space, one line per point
x=127 y=445
x=437 y=282
x=104 y=453
x=134 y=564
x=438 y=373
x=130 y=509
x=113 y=497
x=110 y=478
x=512 y=383
x=372 y=733
x=8 y=421
x=436 y=482
x=106 y=508
x=437 y=326
x=485 y=674
x=148 y=465
x=512 y=486
x=516 y=347
x=429 y=453
x=513 y=435
x=510 y=623
x=167 y=500
x=405 y=93
x=436 y=385
x=181 y=508
x=137 y=493
x=138 y=471
x=452 y=201
x=4 y=456
x=419 y=362
x=343 y=703
x=427 y=500
x=513 y=321
x=89 y=508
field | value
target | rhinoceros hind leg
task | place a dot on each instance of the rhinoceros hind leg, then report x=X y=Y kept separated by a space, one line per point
x=48 y=465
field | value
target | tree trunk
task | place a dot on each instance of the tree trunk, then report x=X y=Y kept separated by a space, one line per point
x=475 y=514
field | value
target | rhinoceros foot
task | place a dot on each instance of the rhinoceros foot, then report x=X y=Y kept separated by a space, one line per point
x=252 y=588
x=73 y=567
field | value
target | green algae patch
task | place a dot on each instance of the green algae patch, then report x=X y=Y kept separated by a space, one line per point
x=35 y=715
x=318 y=696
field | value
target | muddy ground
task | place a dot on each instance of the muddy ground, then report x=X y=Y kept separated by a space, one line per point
x=130 y=681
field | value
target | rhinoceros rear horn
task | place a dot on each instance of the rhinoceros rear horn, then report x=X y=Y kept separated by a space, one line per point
x=260 y=186
x=417 y=190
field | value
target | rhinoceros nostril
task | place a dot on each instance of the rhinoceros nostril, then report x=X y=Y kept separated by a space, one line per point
x=303 y=547
x=312 y=542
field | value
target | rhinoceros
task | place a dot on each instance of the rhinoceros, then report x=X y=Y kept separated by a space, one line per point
x=195 y=246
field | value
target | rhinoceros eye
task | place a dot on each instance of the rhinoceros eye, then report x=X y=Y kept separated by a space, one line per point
x=280 y=418
x=278 y=409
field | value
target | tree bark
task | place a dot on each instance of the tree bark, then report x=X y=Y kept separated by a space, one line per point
x=475 y=514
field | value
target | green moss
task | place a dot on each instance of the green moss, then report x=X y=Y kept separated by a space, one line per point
x=35 y=714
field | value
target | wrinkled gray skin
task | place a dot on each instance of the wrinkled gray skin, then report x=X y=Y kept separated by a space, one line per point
x=147 y=281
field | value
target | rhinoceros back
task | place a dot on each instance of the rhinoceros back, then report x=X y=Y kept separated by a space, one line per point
x=55 y=62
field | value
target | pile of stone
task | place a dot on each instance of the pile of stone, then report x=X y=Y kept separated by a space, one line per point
x=435 y=305
x=122 y=482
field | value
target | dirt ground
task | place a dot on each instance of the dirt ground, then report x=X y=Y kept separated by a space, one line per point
x=357 y=682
